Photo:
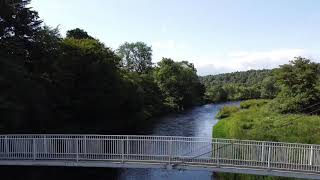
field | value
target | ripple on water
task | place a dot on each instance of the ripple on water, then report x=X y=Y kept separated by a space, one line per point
x=195 y=122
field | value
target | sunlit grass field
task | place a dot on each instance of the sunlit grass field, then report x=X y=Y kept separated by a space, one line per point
x=254 y=120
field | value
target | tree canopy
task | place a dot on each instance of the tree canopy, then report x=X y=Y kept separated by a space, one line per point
x=77 y=84
x=299 y=83
x=178 y=82
x=250 y=84
x=136 y=57
x=78 y=33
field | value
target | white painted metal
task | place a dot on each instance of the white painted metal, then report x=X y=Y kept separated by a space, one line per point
x=172 y=150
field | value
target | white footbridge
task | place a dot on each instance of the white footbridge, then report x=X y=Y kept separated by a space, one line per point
x=170 y=152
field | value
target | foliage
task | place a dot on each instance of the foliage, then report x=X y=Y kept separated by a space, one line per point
x=258 y=122
x=299 y=86
x=269 y=87
x=238 y=86
x=23 y=101
x=179 y=83
x=253 y=103
x=269 y=125
x=75 y=84
x=250 y=77
x=136 y=57
x=19 y=26
x=226 y=111
x=78 y=34
x=86 y=83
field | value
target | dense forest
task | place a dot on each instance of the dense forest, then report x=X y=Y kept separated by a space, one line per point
x=51 y=83
x=250 y=84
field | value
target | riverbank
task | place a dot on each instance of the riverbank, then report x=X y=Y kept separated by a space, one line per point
x=255 y=121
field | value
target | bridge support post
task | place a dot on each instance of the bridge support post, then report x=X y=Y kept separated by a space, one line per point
x=262 y=152
x=311 y=155
x=128 y=150
x=217 y=153
x=6 y=146
x=85 y=147
x=170 y=150
x=34 y=148
x=122 y=150
x=269 y=157
x=45 y=146
x=77 y=148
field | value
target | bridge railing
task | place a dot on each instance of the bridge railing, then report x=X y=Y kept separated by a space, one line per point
x=162 y=149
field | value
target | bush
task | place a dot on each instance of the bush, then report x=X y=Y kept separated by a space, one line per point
x=226 y=111
x=253 y=103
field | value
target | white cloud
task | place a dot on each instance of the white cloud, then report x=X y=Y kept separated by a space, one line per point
x=245 y=60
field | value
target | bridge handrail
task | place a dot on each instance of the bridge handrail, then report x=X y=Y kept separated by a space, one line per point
x=157 y=136
x=161 y=149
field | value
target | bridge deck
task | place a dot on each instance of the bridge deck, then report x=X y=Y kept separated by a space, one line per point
x=219 y=155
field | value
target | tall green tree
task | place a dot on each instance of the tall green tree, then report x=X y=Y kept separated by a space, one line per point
x=298 y=81
x=179 y=83
x=46 y=49
x=19 y=26
x=78 y=33
x=269 y=87
x=136 y=57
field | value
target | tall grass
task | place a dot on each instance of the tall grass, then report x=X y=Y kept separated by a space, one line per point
x=255 y=121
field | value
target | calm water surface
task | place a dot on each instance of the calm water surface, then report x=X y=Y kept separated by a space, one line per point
x=196 y=122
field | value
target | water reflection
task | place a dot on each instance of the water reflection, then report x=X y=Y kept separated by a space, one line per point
x=196 y=122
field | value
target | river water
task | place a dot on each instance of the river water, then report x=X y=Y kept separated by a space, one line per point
x=195 y=122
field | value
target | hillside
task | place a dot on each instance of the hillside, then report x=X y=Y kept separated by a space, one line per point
x=241 y=85
x=249 y=77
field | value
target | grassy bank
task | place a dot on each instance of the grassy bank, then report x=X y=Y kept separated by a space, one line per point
x=255 y=121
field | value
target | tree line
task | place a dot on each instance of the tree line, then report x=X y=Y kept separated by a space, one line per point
x=76 y=83
x=293 y=87
x=252 y=84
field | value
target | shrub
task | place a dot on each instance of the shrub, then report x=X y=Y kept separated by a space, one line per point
x=253 y=103
x=226 y=111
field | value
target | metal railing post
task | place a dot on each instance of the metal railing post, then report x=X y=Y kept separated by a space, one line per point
x=34 y=148
x=218 y=153
x=7 y=146
x=262 y=152
x=45 y=144
x=311 y=155
x=170 y=149
x=85 y=147
x=77 y=148
x=122 y=150
x=127 y=148
x=269 y=156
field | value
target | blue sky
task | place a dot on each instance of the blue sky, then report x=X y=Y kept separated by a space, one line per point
x=217 y=36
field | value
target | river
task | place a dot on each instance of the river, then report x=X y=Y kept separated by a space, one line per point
x=195 y=122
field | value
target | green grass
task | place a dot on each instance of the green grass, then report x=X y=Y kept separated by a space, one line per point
x=259 y=123
x=253 y=103
x=226 y=111
x=255 y=121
